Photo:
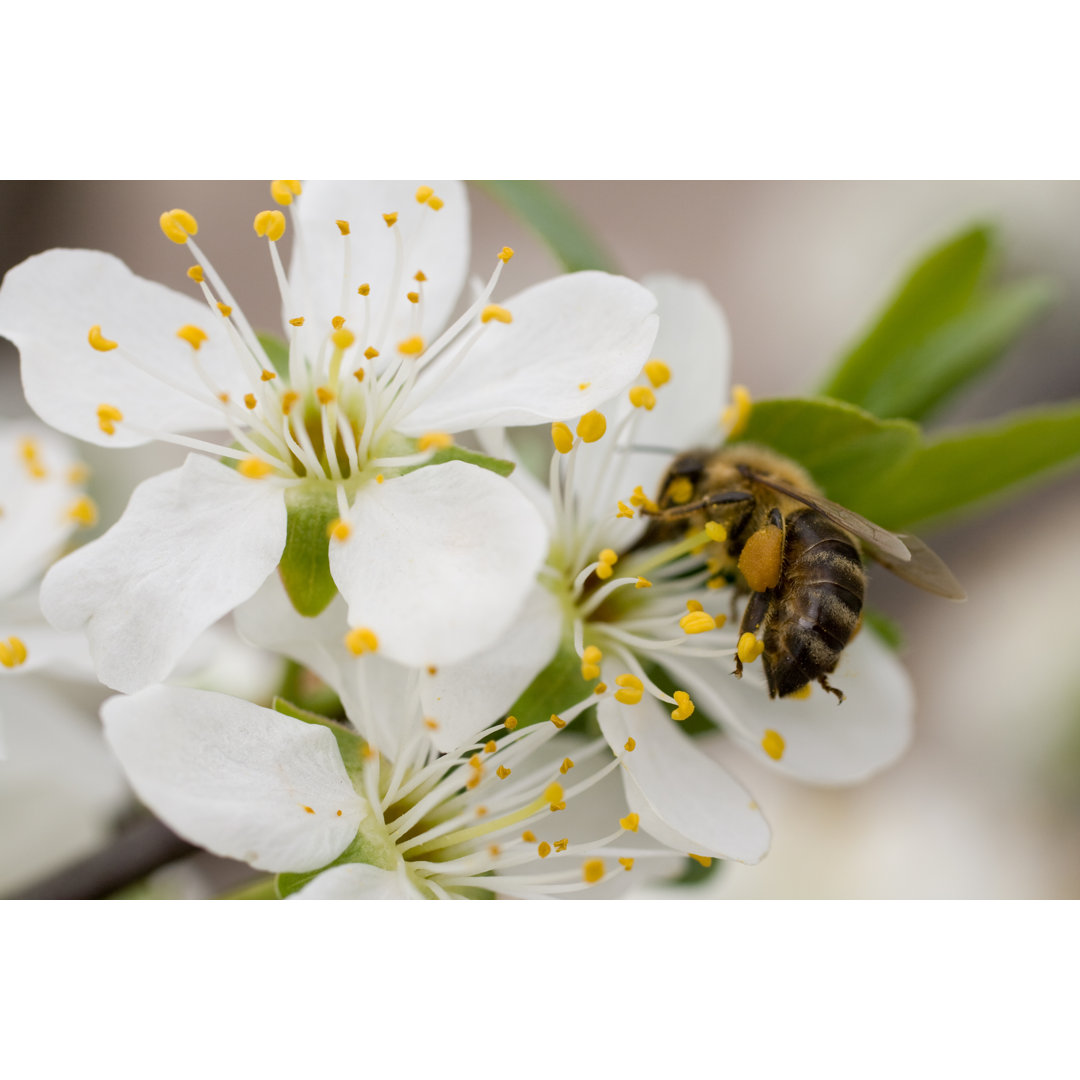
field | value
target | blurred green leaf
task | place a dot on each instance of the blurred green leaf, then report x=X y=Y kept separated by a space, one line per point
x=845 y=448
x=555 y=223
x=942 y=328
x=971 y=464
x=556 y=688
x=277 y=351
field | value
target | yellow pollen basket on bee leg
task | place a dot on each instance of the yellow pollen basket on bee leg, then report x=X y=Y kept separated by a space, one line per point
x=762 y=558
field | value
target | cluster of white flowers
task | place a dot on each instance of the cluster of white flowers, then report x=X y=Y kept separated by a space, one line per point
x=346 y=528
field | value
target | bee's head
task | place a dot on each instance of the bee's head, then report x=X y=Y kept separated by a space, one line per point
x=683 y=478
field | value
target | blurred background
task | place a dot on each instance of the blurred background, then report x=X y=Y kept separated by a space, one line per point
x=987 y=801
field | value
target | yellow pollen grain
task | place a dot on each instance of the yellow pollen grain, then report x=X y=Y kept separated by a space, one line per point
x=566 y=766
x=250 y=401
x=108 y=416
x=737 y=415
x=630 y=822
x=254 y=468
x=84 y=511
x=284 y=191
x=12 y=652
x=98 y=340
x=630 y=745
x=561 y=437
x=195 y=273
x=342 y=338
x=749 y=648
x=592 y=870
x=423 y=193
x=592 y=426
x=435 y=203
x=680 y=490
x=325 y=395
x=557 y=720
x=413 y=297
x=434 y=440
x=496 y=313
x=390 y=219
x=298 y=321
x=361 y=640
x=642 y=583
x=631 y=689
x=697 y=622
x=506 y=254
x=684 y=706
x=364 y=289
x=657 y=372
x=193 y=335
x=510 y=723
x=343 y=226
x=772 y=742
x=337 y=322
x=267 y=375
x=627 y=864
x=412 y=346
x=642 y=397
x=703 y=860
x=502 y=772
x=600 y=688
x=338 y=530
x=543 y=849
x=802 y=693
x=288 y=400
x=178 y=225
x=269 y=223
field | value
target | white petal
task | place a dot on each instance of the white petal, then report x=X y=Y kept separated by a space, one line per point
x=240 y=780
x=48 y=305
x=358 y=881
x=191 y=545
x=685 y=799
x=825 y=742
x=436 y=242
x=439 y=561
x=574 y=342
x=466 y=697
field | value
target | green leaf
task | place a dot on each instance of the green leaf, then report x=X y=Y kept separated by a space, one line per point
x=556 y=688
x=557 y=225
x=277 y=351
x=472 y=457
x=968 y=465
x=305 y=562
x=844 y=448
x=942 y=328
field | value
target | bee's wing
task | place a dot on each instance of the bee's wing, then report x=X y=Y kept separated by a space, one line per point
x=889 y=544
x=924 y=569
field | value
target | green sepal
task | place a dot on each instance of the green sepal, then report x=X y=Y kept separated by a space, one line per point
x=943 y=327
x=541 y=208
x=556 y=688
x=305 y=562
x=470 y=457
x=845 y=448
x=277 y=352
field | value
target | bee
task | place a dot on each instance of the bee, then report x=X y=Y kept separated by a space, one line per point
x=797 y=554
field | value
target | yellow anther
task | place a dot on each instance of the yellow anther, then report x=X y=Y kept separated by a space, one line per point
x=631 y=689
x=557 y=720
x=412 y=346
x=31 y=455
x=288 y=400
x=630 y=745
x=434 y=440
x=358 y=374
x=342 y=338
x=624 y=510
x=604 y=571
x=12 y=652
x=250 y=401
x=685 y=706
x=716 y=583
x=630 y=822
x=337 y=322
x=435 y=203
x=270 y=223
x=223 y=397
x=703 y=860
x=592 y=426
x=506 y=254
x=225 y=310
x=694 y=605
x=413 y=297
x=493 y=850
x=600 y=688
x=78 y=473
x=423 y=193
x=639 y=498
x=543 y=850
x=267 y=375
x=432 y=670
x=178 y=225
x=254 y=468
x=592 y=870
x=510 y=723
x=475 y=762
x=339 y=530
x=430 y=724
x=563 y=844
x=193 y=335
x=557 y=806
x=343 y=226
x=108 y=416
x=716 y=531
x=502 y=772
x=680 y=490
x=472 y=784
x=361 y=640
x=553 y=793
x=420 y=276
x=490 y=746
x=772 y=742
x=195 y=273
x=749 y=648
x=494 y=311
x=609 y=556
x=309 y=810
x=380 y=479
x=584 y=385
x=83 y=511
x=284 y=191
x=592 y=655
x=562 y=438
x=642 y=397
x=627 y=864
x=370 y=353
x=98 y=340
x=529 y=836
x=720 y=618
x=566 y=766
x=298 y=321
x=802 y=693
x=390 y=219
x=657 y=372
x=737 y=415
x=590 y=672
x=697 y=622
x=364 y=289
x=325 y=395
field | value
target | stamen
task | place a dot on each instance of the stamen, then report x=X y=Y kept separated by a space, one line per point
x=412 y=346
x=698 y=622
x=630 y=822
x=557 y=720
x=270 y=223
x=592 y=870
x=343 y=226
x=686 y=706
x=749 y=648
x=737 y=415
x=627 y=864
x=435 y=203
x=592 y=426
x=390 y=219
x=178 y=225
x=254 y=468
x=108 y=417
x=283 y=191
x=506 y=254
x=434 y=440
x=423 y=193
x=642 y=397
x=193 y=335
x=657 y=372
x=680 y=490
x=83 y=511
x=196 y=274
x=716 y=531
x=631 y=690
x=494 y=311
x=98 y=341
x=338 y=530
x=562 y=438
x=566 y=766
x=703 y=860
x=12 y=652
x=361 y=640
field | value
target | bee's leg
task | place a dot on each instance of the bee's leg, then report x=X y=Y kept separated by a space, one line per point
x=823 y=680
x=715 y=507
x=757 y=607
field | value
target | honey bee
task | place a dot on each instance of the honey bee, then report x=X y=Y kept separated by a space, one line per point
x=796 y=553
